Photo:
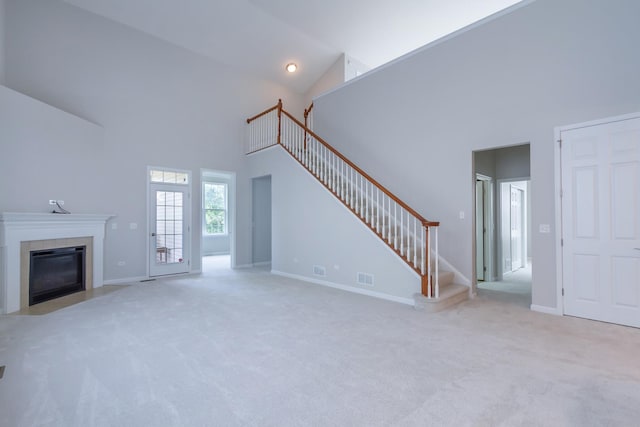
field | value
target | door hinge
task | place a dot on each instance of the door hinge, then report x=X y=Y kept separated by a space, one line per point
x=562 y=291
x=560 y=143
x=561 y=242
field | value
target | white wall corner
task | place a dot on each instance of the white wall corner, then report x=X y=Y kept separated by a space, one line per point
x=546 y=310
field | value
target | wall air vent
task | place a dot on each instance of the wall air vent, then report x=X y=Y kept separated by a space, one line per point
x=365 y=279
x=319 y=270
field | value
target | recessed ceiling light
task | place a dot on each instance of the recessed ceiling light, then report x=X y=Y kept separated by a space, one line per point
x=291 y=67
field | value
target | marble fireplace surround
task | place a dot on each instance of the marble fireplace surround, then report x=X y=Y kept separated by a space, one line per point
x=20 y=230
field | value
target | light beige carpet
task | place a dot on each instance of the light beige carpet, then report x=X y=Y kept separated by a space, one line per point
x=245 y=348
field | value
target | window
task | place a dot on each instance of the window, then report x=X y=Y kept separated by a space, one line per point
x=215 y=208
x=169 y=177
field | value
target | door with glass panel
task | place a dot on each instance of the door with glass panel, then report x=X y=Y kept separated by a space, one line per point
x=168 y=222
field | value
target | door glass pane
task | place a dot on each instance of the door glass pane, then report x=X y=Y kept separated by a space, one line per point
x=168 y=227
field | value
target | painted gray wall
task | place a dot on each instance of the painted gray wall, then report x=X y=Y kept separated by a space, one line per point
x=261 y=208
x=158 y=104
x=2 y=40
x=414 y=124
x=33 y=137
x=311 y=227
x=513 y=162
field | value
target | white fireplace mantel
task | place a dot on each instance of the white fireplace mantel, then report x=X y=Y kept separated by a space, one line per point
x=16 y=228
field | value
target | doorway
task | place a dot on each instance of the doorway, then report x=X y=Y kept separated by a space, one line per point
x=169 y=229
x=217 y=219
x=261 y=220
x=515 y=225
x=502 y=254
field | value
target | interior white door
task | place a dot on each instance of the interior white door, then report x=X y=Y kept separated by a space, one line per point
x=480 y=232
x=168 y=241
x=517 y=228
x=601 y=221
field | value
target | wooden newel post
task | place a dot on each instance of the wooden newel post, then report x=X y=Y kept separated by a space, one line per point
x=427 y=282
x=306 y=123
x=279 y=120
x=425 y=285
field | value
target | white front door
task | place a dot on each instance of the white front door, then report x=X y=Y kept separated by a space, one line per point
x=601 y=221
x=169 y=228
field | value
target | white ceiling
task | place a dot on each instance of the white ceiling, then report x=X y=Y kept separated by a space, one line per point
x=260 y=37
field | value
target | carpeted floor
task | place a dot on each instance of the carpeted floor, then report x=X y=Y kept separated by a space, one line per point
x=245 y=348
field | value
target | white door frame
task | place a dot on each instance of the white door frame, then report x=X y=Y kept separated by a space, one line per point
x=558 y=194
x=489 y=219
x=187 y=216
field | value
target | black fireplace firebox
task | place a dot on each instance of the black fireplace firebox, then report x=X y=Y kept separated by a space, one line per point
x=56 y=272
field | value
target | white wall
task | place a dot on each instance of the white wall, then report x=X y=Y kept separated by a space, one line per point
x=333 y=77
x=158 y=104
x=414 y=124
x=353 y=68
x=311 y=227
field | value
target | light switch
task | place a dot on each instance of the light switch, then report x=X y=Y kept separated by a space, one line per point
x=461 y=214
x=133 y=225
x=114 y=225
x=545 y=228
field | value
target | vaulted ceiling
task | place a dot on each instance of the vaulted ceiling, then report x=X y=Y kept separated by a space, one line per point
x=260 y=37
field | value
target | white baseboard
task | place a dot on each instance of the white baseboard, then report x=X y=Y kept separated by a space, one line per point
x=547 y=310
x=257 y=264
x=261 y=264
x=408 y=301
x=244 y=266
x=129 y=280
x=125 y=281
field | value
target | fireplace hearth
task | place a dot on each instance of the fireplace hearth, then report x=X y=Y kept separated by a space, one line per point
x=56 y=272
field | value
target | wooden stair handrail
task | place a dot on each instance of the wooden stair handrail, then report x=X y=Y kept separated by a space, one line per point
x=427 y=276
x=265 y=112
x=392 y=196
x=307 y=111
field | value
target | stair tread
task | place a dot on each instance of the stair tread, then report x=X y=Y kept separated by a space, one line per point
x=449 y=295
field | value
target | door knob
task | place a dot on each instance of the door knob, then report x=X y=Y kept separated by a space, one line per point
x=153 y=234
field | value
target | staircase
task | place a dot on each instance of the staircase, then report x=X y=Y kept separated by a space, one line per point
x=413 y=238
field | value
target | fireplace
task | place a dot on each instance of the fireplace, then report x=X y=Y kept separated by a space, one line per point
x=23 y=233
x=56 y=272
